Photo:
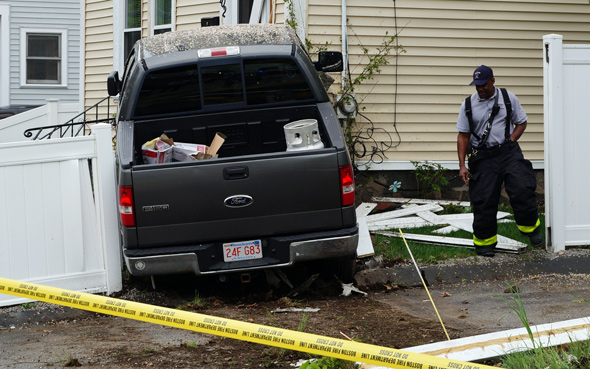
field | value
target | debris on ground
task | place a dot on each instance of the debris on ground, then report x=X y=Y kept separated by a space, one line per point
x=415 y=213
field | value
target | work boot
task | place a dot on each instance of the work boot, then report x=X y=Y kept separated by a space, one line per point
x=536 y=238
x=487 y=251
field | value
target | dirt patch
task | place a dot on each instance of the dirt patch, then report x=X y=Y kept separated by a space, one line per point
x=47 y=335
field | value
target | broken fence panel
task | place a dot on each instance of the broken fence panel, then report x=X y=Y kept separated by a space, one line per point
x=365 y=209
x=407 y=222
x=365 y=245
x=449 y=229
x=420 y=201
x=401 y=212
x=453 y=241
x=417 y=220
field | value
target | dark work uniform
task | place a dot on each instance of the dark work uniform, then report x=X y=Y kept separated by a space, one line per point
x=499 y=161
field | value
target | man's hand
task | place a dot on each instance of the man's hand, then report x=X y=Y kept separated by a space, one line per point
x=462 y=143
x=464 y=174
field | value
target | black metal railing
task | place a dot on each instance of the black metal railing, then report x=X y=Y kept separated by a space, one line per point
x=76 y=126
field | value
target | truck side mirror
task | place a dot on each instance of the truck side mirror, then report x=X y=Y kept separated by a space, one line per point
x=330 y=61
x=113 y=83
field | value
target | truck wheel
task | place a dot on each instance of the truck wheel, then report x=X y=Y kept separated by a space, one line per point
x=343 y=268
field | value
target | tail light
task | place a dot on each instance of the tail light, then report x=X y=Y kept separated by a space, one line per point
x=126 y=206
x=347 y=184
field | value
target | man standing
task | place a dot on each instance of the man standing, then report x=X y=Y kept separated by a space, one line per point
x=490 y=123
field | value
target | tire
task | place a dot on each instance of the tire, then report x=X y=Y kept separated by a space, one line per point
x=343 y=268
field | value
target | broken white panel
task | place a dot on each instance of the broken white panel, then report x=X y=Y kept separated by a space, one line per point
x=449 y=229
x=506 y=240
x=453 y=241
x=420 y=201
x=491 y=345
x=365 y=209
x=407 y=222
x=414 y=222
x=467 y=225
x=401 y=212
x=365 y=245
x=464 y=223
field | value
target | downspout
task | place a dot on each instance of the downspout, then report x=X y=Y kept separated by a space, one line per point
x=344 y=45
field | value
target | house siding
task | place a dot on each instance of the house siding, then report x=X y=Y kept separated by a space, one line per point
x=98 y=49
x=58 y=15
x=412 y=104
x=444 y=42
x=189 y=13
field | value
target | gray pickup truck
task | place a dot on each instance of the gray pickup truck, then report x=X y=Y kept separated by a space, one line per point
x=256 y=204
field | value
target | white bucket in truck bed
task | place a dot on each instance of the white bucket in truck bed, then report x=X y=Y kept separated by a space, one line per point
x=303 y=135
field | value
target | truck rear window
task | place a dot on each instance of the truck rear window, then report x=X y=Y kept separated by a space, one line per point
x=167 y=91
x=274 y=80
x=258 y=81
x=222 y=84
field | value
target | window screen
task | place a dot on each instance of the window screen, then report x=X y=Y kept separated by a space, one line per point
x=169 y=91
x=273 y=81
x=43 y=58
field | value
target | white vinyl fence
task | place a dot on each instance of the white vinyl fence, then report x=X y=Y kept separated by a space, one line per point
x=58 y=216
x=12 y=128
x=566 y=73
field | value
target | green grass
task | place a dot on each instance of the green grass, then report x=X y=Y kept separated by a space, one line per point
x=570 y=356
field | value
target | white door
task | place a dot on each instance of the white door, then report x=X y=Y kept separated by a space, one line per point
x=4 y=55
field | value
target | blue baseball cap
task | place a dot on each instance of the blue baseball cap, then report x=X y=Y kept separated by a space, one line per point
x=481 y=75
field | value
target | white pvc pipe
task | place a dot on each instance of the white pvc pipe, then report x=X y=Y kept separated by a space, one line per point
x=344 y=44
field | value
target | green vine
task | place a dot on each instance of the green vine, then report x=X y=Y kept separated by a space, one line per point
x=356 y=137
x=360 y=140
x=291 y=18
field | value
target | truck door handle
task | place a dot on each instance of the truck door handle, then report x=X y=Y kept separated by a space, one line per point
x=232 y=173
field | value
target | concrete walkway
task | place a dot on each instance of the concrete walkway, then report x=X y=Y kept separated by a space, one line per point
x=469 y=293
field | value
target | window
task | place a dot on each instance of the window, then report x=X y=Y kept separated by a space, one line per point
x=169 y=91
x=132 y=31
x=42 y=59
x=244 y=11
x=273 y=81
x=222 y=84
x=176 y=90
x=162 y=16
x=245 y=8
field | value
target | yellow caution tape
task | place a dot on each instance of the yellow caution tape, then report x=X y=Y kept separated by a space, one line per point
x=265 y=335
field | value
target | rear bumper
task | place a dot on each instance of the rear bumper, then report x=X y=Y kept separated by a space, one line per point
x=280 y=252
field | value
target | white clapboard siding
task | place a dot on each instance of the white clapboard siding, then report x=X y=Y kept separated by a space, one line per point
x=57 y=227
x=419 y=92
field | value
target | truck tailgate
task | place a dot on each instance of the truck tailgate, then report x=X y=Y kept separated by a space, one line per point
x=209 y=200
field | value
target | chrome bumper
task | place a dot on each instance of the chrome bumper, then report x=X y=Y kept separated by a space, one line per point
x=325 y=248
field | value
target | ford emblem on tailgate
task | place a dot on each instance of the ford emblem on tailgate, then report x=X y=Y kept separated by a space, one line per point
x=238 y=201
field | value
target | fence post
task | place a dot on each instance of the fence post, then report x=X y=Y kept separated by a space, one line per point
x=554 y=141
x=52 y=109
x=106 y=204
